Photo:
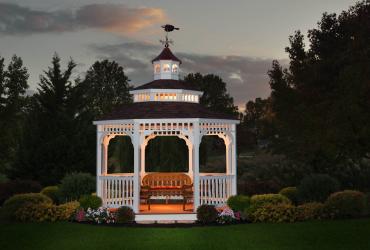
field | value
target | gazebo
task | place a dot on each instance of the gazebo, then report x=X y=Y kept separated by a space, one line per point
x=165 y=106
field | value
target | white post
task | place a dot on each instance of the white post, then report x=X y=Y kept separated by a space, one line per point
x=142 y=158
x=98 y=163
x=190 y=149
x=196 y=142
x=105 y=157
x=234 y=161
x=135 y=142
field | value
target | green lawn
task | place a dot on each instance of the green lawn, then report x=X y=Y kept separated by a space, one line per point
x=346 y=234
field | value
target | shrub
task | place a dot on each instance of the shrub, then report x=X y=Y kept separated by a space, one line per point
x=317 y=187
x=3 y=178
x=207 y=214
x=75 y=185
x=252 y=187
x=46 y=212
x=125 y=214
x=261 y=200
x=368 y=204
x=238 y=202
x=90 y=201
x=311 y=211
x=52 y=192
x=19 y=200
x=275 y=213
x=67 y=210
x=346 y=204
x=10 y=188
x=291 y=193
x=36 y=212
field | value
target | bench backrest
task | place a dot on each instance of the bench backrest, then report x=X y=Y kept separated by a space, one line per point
x=166 y=179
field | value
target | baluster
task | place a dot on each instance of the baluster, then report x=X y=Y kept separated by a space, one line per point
x=217 y=194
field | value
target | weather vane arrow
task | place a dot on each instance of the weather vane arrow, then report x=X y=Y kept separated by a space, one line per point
x=168 y=28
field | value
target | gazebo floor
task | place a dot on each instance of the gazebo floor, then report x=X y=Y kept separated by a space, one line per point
x=166 y=209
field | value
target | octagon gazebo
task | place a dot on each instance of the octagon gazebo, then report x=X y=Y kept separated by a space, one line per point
x=165 y=106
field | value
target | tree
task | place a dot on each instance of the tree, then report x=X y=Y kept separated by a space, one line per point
x=215 y=96
x=322 y=101
x=13 y=86
x=47 y=150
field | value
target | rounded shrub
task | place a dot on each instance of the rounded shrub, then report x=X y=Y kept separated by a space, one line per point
x=317 y=188
x=238 y=203
x=260 y=200
x=67 y=211
x=207 y=214
x=52 y=192
x=311 y=211
x=10 y=188
x=125 y=214
x=75 y=185
x=291 y=193
x=346 y=204
x=17 y=201
x=36 y=212
x=90 y=201
x=275 y=213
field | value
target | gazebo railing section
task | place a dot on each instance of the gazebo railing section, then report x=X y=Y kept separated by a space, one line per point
x=117 y=190
x=215 y=188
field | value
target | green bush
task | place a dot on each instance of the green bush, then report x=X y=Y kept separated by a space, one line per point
x=368 y=204
x=52 y=192
x=207 y=214
x=90 y=201
x=3 y=178
x=275 y=213
x=317 y=188
x=238 y=202
x=17 y=201
x=261 y=200
x=46 y=212
x=75 y=185
x=346 y=204
x=125 y=214
x=10 y=188
x=311 y=211
x=291 y=193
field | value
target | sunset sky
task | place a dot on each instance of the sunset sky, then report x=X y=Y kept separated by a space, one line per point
x=235 y=39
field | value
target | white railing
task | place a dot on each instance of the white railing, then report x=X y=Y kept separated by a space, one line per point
x=215 y=188
x=117 y=190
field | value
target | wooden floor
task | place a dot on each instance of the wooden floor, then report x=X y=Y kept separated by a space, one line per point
x=166 y=209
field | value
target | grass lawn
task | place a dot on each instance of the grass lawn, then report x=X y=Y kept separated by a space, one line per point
x=346 y=234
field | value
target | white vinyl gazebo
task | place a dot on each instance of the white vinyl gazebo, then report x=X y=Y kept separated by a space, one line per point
x=165 y=107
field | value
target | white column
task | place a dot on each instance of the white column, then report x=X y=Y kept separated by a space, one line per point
x=190 y=149
x=98 y=163
x=142 y=158
x=228 y=155
x=196 y=142
x=105 y=157
x=135 y=142
x=234 y=161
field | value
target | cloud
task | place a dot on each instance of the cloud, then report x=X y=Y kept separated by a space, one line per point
x=118 y=18
x=246 y=77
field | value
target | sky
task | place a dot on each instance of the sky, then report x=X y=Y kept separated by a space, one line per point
x=235 y=39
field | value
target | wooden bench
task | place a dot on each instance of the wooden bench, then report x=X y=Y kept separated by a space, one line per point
x=166 y=184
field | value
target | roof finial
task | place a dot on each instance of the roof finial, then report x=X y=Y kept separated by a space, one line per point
x=168 y=28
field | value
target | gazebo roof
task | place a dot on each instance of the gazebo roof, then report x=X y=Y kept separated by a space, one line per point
x=167 y=84
x=164 y=110
x=166 y=54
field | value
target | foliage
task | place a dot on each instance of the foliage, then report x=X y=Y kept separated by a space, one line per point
x=10 y=188
x=261 y=200
x=291 y=193
x=75 y=185
x=100 y=216
x=311 y=211
x=321 y=101
x=17 y=201
x=253 y=187
x=80 y=215
x=368 y=204
x=52 y=192
x=13 y=101
x=207 y=214
x=46 y=212
x=275 y=213
x=3 y=178
x=227 y=216
x=90 y=201
x=317 y=187
x=125 y=214
x=346 y=204
x=238 y=202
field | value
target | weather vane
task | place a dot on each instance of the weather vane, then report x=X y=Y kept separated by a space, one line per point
x=168 y=28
